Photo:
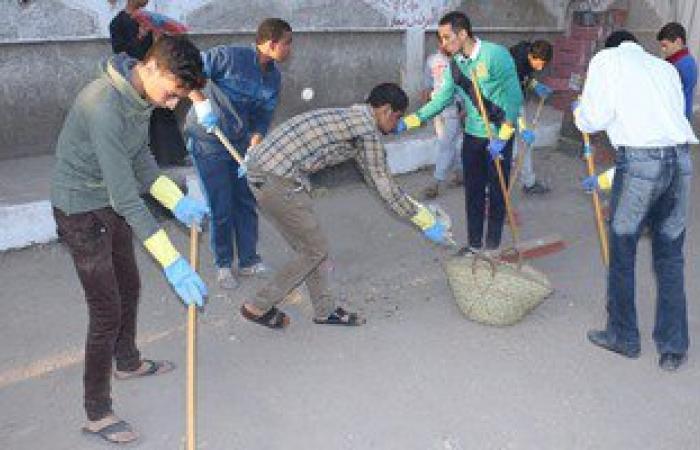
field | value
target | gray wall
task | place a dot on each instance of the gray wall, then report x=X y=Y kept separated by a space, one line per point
x=50 y=48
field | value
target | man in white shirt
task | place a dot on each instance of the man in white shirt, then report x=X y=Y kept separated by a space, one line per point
x=638 y=100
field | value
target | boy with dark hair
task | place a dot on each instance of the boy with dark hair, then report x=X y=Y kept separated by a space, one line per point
x=491 y=67
x=278 y=171
x=530 y=58
x=672 y=39
x=102 y=165
x=244 y=89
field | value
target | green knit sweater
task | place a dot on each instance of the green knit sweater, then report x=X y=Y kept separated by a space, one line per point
x=102 y=154
x=497 y=80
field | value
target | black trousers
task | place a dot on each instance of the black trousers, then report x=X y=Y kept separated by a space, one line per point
x=102 y=248
x=479 y=174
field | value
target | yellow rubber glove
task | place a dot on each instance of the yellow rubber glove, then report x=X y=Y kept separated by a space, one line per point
x=605 y=179
x=423 y=219
x=407 y=123
x=166 y=192
x=506 y=131
x=161 y=248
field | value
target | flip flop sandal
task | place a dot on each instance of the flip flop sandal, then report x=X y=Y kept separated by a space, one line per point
x=273 y=318
x=154 y=368
x=341 y=317
x=109 y=432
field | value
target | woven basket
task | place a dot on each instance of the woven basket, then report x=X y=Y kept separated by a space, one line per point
x=493 y=292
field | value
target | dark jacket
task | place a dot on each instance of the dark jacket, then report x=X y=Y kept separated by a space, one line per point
x=123 y=31
x=519 y=53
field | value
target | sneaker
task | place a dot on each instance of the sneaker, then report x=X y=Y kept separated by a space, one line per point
x=537 y=188
x=467 y=251
x=670 y=362
x=603 y=339
x=226 y=279
x=258 y=269
x=457 y=179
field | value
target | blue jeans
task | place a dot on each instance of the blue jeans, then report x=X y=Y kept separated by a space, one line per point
x=233 y=207
x=651 y=187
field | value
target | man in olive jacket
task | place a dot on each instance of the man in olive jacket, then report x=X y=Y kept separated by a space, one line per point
x=102 y=165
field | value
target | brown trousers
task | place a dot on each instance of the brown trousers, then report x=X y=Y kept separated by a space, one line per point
x=102 y=248
x=290 y=210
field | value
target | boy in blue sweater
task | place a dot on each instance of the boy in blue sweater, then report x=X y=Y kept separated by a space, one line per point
x=672 y=39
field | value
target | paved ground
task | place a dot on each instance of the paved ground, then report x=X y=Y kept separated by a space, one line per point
x=417 y=376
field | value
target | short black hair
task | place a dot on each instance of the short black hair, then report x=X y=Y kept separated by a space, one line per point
x=618 y=37
x=671 y=31
x=176 y=54
x=272 y=29
x=388 y=93
x=541 y=49
x=458 y=21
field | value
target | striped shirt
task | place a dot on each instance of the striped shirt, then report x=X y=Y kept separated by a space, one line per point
x=321 y=138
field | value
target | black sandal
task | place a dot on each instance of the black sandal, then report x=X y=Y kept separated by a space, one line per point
x=341 y=317
x=154 y=368
x=109 y=432
x=273 y=318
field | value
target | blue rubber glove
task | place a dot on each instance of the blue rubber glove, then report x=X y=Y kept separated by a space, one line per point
x=528 y=136
x=436 y=233
x=188 y=210
x=400 y=127
x=574 y=105
x=205 y=115
x=543 y=91
x=496 y=147
x=590 y=184
x=188 y=285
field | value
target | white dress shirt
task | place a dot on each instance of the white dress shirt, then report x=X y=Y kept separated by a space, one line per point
x=636 y=98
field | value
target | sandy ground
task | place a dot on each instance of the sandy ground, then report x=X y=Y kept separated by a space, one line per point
x=417 y=376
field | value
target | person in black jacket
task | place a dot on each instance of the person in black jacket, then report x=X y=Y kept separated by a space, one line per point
x=129 y=37
x=126 y=34
x=531 y=57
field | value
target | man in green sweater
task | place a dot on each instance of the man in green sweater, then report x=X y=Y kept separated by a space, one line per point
x=494 y=71
x=102 y=165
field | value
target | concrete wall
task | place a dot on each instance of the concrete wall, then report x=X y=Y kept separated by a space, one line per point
x=49 y=49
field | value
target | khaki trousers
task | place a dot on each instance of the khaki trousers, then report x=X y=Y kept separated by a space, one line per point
x=289 y=209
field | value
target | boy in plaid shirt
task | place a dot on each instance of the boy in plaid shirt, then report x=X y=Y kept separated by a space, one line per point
x=278 y=170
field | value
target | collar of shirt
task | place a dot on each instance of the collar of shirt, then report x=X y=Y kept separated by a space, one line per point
x=268 y=66
x=475 y=50
x=678 y=55
x=368 y=113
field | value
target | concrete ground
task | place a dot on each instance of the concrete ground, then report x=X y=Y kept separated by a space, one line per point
x=417 y=376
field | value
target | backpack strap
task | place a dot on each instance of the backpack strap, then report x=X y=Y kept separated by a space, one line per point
x=495 y=113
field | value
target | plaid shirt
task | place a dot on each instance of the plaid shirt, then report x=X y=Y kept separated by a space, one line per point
x=322 y=138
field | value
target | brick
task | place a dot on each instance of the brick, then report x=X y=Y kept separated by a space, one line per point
x=558 y=84
x=569 y=58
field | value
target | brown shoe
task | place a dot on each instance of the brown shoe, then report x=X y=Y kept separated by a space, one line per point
x=432 y=191
x=457 y=179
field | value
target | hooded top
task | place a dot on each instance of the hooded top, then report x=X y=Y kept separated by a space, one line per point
x=102 y=155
